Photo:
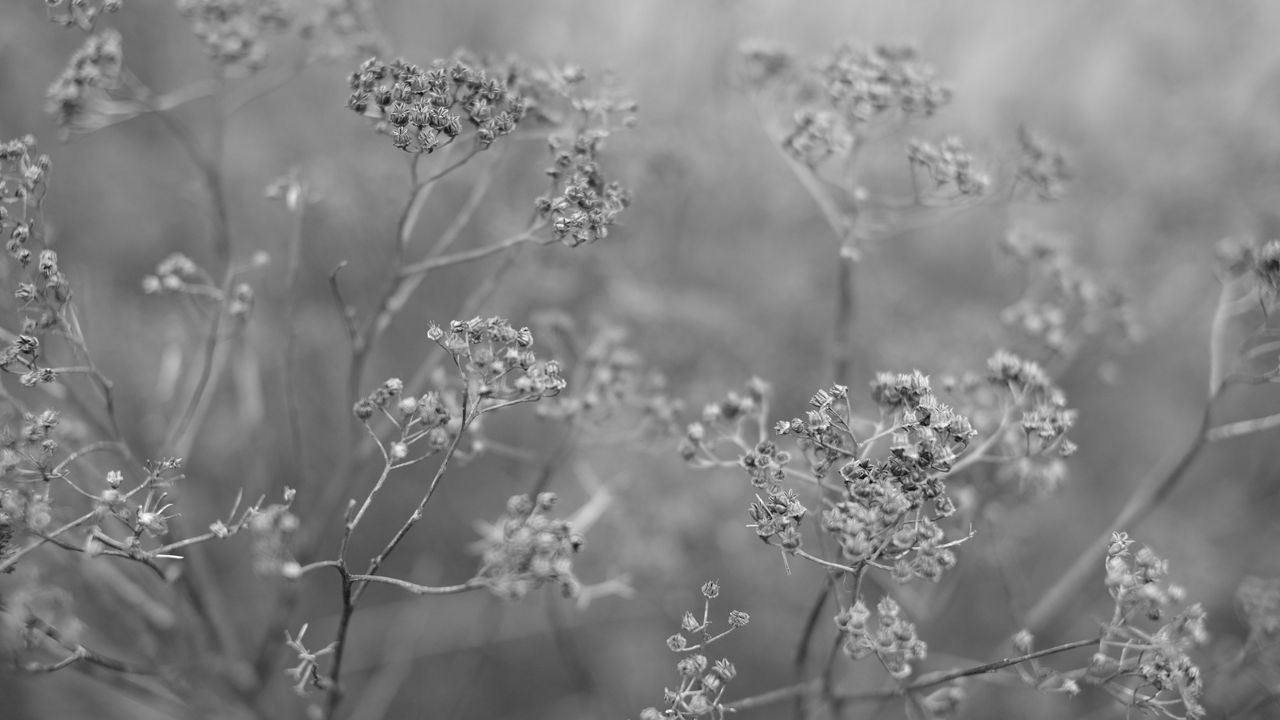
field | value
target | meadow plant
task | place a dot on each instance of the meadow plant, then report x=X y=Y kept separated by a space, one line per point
x=882 y=488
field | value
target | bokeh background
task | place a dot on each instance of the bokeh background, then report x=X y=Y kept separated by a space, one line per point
x=1169 y=112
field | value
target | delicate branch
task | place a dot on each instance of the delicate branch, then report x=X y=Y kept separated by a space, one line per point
x=923 y=682
x=472 y=584
x=1243 y=427
x=1149 y=493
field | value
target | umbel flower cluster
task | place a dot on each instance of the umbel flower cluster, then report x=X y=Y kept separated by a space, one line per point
x=1154 y=666
x=495 y=369
x=527 y=548
x=885 y=511
x=237 y=34
x=950 y=168
x=890 y=637
x=1064 y=302
x=583 y=203
x=93 y=72
x=610 y=382
x=496 y=361
x=702 y=682
x=234 y=31
x=424 y=109
x=850 y=90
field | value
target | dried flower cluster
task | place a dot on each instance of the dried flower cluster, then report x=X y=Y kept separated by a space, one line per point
x=527 y=548
x=950 y=168
x=1063 y=302
x=610 y=381
x=849 y=90
x=80 y=13
x=584 y=203
x=496 y=362
x=424 y=109
x=702 y=682
x=93 y=72
x=1042 y=168
x=890 y=637
x=1153 y=667
x=234 y=32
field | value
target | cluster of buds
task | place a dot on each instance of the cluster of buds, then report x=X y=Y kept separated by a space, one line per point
x=610 y=379
x=93 y=71
x=424 y=109
x=234 y=31
x=1136 y=580
x=702 y=682
x=22 y=358
x=1153 y=666
x=880 y=519
x=23 y=172
x=824 y=433
x=816 y=135
x=724 y=420
x=950 y=168
x=1064 y=302
x=178 y=273
x=885 y=80
x=890 y=637
x=338 y=28
x=79 y=13
x=766 y=464
x=496 y=362
x=527 y=548
x=379 y=399
x=43 y=290
x=929 y=434
x=776 y=518
x=1041 y=167
x=1037 y=443
x=850 y=89
x=431 y=417
x=583 y=204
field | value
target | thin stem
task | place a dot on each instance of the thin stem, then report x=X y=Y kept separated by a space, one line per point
x=923 y=682
x=433 y=263
x=1149 y=493
x=17 y=555
x=1243 y=427
x=416 y=589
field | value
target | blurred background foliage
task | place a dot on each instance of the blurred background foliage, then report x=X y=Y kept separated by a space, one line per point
x=1169 y=112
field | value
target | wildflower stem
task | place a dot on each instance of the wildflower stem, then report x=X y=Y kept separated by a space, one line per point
x=416 y=589
x=353 y=586
x=1149 y=492
x=18 y=554
x=923 y=682
x=1243 y=427
x=426 y=497
x=432 y=263
x=79 y=653
x=826 y=563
